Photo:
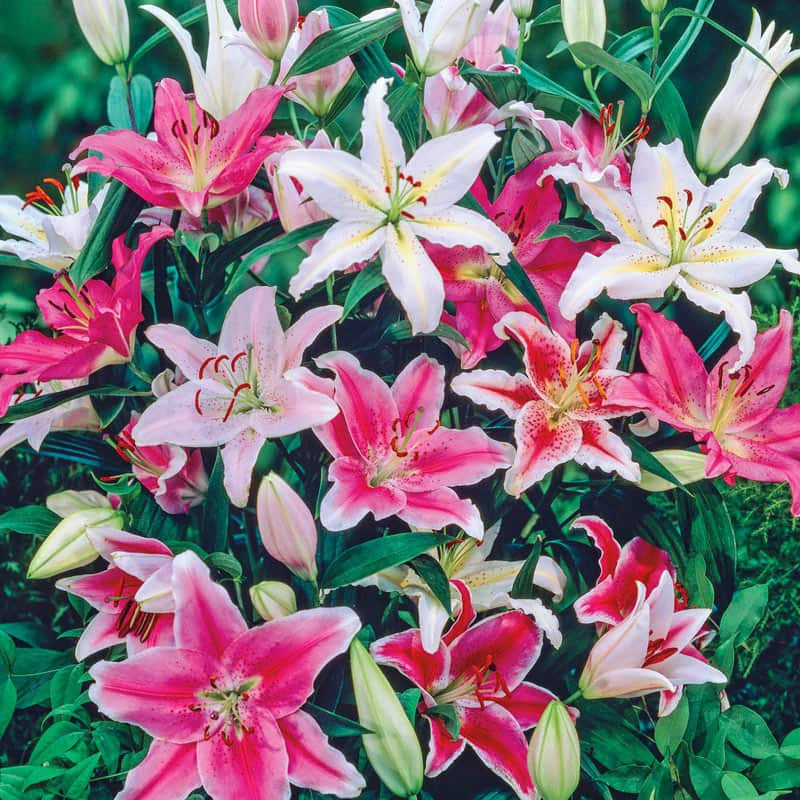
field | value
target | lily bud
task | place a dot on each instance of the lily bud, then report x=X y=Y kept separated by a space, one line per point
x=70 y=501
x=554 y=755
x=67 y=546
x=392 y=747
x=685 y=465
x=287 y=527
x=584 y=21
x=654 y=6
x=737 y=107
x=449 y=27
x=273 y=599
x=522 y=9
x=105 y=26
x=269 y=24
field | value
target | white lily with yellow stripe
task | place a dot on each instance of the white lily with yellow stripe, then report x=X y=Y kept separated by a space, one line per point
x=489 y=584
x=384 y=205
x=674 y=231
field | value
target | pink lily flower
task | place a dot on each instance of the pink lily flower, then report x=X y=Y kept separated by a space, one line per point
x=74 y=415
x=95 y=325
x=176 y=477
x=622 y=570
x=480 y=290
x=133 y=595
x=223 y=705
x=243 y=391
x=197 y=162
x=651 y=650
x=591 y=144
x=391 y=454
x=478 y=671
x=734 y=415
x=560 y=406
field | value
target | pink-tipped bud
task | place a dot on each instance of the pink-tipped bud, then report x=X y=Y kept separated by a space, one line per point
x=287 y=527
x=269 y=24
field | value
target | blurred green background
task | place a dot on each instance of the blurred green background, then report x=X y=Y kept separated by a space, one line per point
x=52 y=93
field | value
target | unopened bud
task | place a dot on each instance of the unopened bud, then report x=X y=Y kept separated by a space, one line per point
x=584 y=21
x=685 y=465
x=392 y=746
x=273 y=599
x=554 y=755
x=105 y=25
x=287 y=527
x=522 y=9
x=68 y=547
x=654 y=6
x=269 y=24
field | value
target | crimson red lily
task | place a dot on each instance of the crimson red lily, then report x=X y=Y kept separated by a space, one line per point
x=478 y=671
x=133 y=596
x=94 y=325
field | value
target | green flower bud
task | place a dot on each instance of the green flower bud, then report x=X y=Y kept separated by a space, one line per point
x=392 y=748
x=273 y=599
x=554 y=755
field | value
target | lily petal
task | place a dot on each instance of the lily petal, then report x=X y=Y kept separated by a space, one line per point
x=168 y=770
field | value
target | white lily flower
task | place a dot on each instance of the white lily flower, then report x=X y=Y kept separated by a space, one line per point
x=674 y=231
x=74 y=415
x=54 y=237
x=489 y=583
x=384 y=206
x=229 y=75
x=449 y=27
x=735 y=111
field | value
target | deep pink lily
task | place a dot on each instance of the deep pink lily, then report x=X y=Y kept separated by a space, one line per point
x=734 y=415
x=94 y=326
x=392 y=455
x=621 y=569
x=223 y=705
x=594 y=145
x=478 y=671
x=197 y=161
x=651 y=650
x=560 y=405
x=243 y=391
x=479 y=288
x=133 y=596
x=175 y=476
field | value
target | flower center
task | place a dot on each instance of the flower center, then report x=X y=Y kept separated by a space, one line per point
x=482 y=682
x=405 y=192
x=132 y=621
x=656 y=652
x=582 y=386
x=740 y=384
x=239 y=375
x=683 y=232
x=612 y=131
x=40 y=199
x=77 y=305
x=224 y=708
x=195 y=140
x=403 y=451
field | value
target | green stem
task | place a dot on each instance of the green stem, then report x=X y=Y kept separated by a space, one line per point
x=123 y=76
x=501 y=167
x=521 y=42
x=276 y=68
x=655 y=21
x=295 y=123
x=329 y=289
x=197 y=306
x=573 y=697
x=421 y=124
x=587 y=79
